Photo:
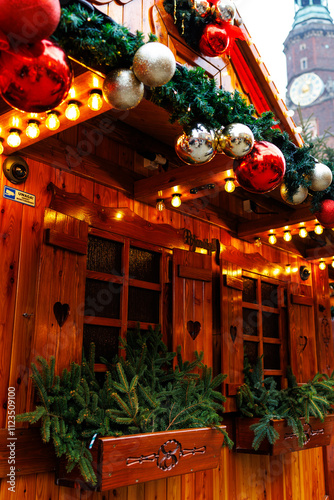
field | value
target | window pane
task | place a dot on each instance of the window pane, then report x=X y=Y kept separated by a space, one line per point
x=105 y=339
x=249 y=290
x=250 y=321
x=271 y=356
x=270 y=325
x=144 y=265
x=269 y=294
x=251 y=351
x=102 y=299
x=143 y=305
x=104 y=256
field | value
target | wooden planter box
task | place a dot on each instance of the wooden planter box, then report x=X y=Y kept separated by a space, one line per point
x=318 y=434
x=143 y=457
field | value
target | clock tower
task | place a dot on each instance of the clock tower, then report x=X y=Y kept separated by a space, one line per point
x=309 y=50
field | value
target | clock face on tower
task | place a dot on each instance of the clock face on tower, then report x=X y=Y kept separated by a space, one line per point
x=306 y=89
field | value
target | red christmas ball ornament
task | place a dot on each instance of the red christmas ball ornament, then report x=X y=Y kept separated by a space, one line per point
x=214 y=41
x=325 y=214
x=28 y=21
x=262 y=170
x=35 y=78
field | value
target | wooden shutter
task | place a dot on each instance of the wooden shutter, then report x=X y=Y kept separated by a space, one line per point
x=61 y=289
x=192 y=304
x=301 y=338
x=231 y=327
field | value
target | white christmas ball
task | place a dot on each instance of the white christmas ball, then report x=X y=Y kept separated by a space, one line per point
x=154 y=64
x=321 y=177
x=299 y=196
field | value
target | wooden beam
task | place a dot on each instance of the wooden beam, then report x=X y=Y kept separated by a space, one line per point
x=57 y=154
x=320 y=252
x=250 y=228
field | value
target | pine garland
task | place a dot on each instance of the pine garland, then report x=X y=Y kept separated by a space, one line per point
x=259 y=397
x=191 y=97
x=142 y=393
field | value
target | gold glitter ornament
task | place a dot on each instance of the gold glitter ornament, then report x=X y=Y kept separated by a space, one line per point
x=321 y=177
x=236 y=140
x=154 y=64
x=197 y=147
x=299 y=196
x=122 y=90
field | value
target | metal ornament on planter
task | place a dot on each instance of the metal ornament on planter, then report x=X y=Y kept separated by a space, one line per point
x=321 y=177
x=236 y=140
x=299 y=196
x=196 y=148
x=154 y=64
x=122 y=90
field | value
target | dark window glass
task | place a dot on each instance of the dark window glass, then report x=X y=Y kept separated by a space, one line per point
x=251 y=351
x=104 y=256
x=105 y=339
x=269 y=294
x=250 y=321
x=270 y=325
x=102 y=299
x=143 y=305
x=271 y=356
x=249 y=290
x=144 y=265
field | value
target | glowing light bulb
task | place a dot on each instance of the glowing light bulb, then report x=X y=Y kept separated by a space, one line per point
x=14 y=139
x=72 y=111
x=303 y=232
x=290 y=112
x=287 y=236
x=229 y=185
x=322 y=265
x=1 y=146
x=318 y=229
x=176 y=200
x=32 y=130
x=272 y=239
x=95 y=101
x=160 y=205
x=288 y=268
x=52 y=121
x=333 y=263
x=298 y=130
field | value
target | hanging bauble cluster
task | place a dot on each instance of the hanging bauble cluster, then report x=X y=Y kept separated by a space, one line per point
x=153 y=65
x=36 y=75
x=216 y=36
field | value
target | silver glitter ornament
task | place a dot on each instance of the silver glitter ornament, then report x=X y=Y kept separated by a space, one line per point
x=299 y=196
x=154 y=64
x=236 y=140
x=225 y=11
x=321 y=177
x=202 y=7
x=197 y=147
x=122 y=90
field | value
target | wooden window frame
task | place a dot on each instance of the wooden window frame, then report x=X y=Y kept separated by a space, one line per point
x=125 y=281
x=281 y=311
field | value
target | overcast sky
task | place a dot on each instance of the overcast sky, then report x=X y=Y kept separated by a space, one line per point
x=268 y=23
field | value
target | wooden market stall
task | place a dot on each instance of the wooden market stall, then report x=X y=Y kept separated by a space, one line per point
x=204 y=271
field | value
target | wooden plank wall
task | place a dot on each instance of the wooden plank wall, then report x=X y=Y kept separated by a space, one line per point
x=241 y=477
x=296 y=476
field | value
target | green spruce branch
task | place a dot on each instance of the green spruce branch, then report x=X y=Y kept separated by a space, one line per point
x=259 y=397
x=143 y=392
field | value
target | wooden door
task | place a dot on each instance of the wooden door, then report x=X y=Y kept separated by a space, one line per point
x=192 y=304
x=302 y=344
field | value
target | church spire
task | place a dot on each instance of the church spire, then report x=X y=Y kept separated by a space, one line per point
x=311 y=11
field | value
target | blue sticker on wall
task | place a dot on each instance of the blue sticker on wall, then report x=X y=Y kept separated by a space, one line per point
x=20 y=196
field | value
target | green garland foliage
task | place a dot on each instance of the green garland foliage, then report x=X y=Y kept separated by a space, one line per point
x=259 y=397
x=142 y=393
x=191 y=97
x=95 y=40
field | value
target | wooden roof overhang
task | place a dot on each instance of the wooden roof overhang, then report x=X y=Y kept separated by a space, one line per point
x=149 y=124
